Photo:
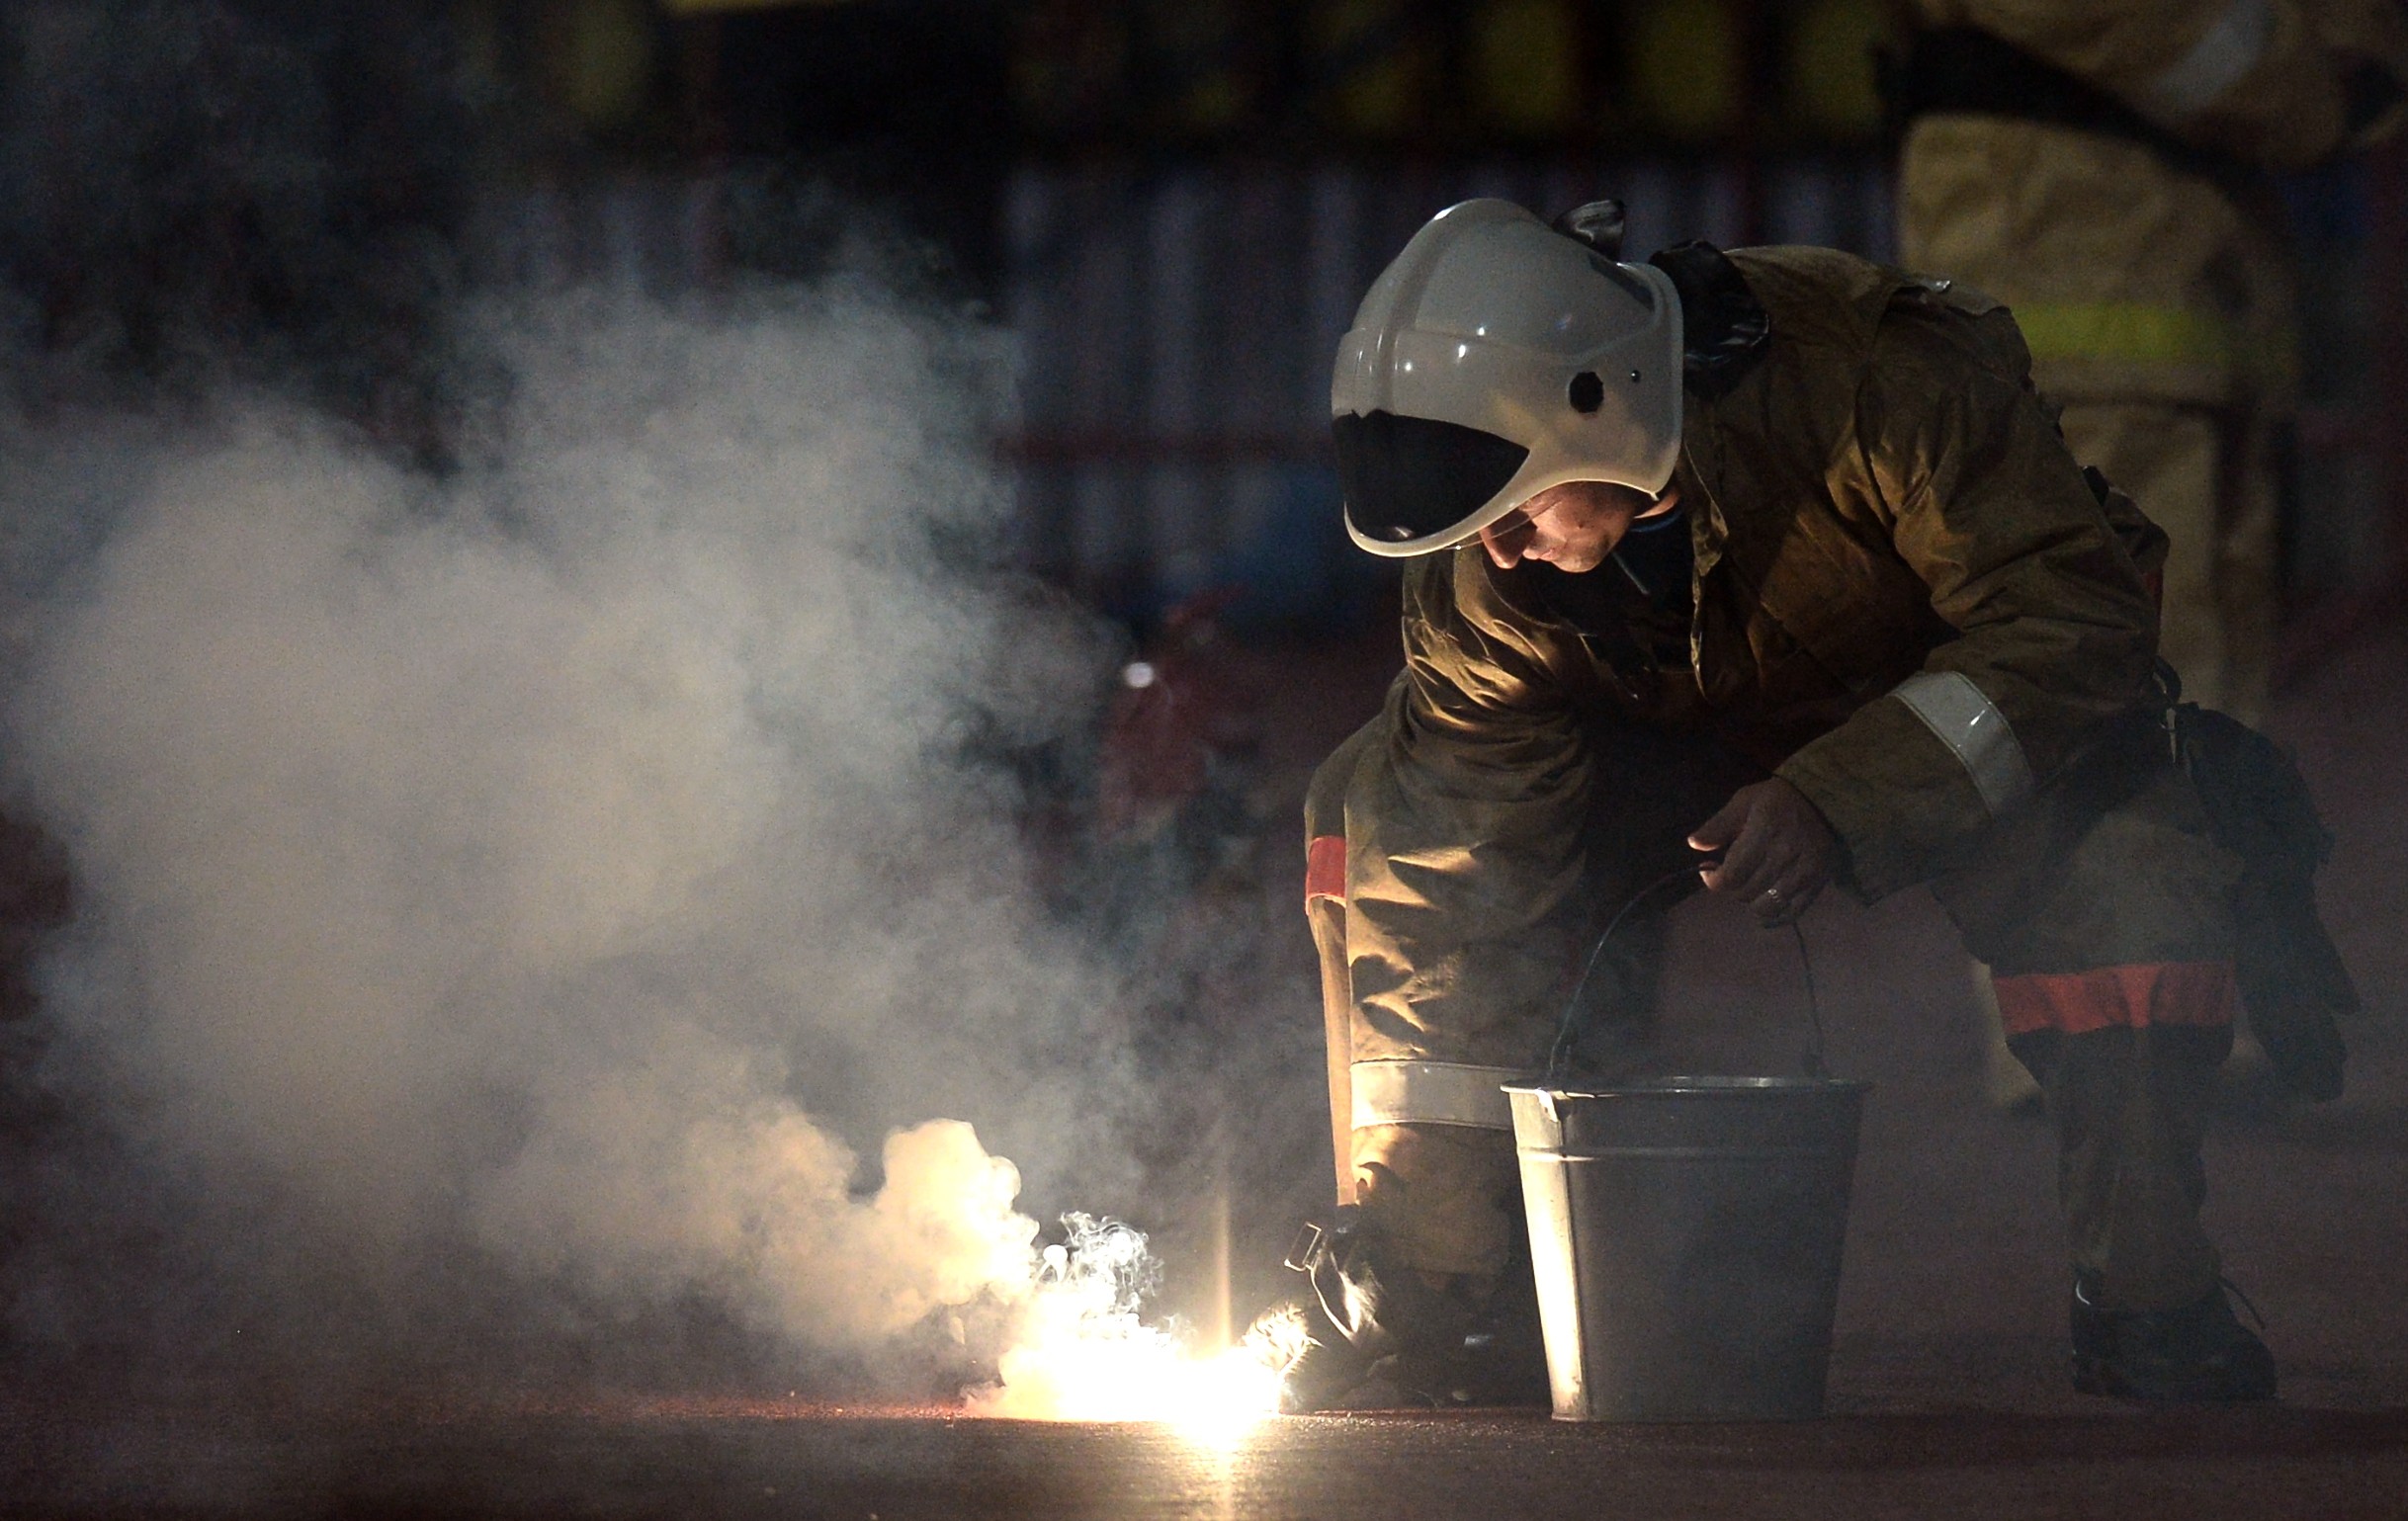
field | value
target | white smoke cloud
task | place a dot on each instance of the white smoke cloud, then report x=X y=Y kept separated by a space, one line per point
x=502 y=867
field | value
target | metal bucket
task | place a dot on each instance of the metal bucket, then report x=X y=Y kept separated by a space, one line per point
x=1685 y=1235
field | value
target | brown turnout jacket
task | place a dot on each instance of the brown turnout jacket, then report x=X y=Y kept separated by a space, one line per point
x=1881 y=493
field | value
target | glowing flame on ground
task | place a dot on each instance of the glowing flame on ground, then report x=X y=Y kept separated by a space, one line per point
x=1083 y=1354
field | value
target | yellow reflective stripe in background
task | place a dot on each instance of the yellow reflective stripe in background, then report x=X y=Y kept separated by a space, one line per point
x=2134 y=332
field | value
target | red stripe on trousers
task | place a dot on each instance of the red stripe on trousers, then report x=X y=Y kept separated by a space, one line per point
x=1325 y=867
x=2134 y=998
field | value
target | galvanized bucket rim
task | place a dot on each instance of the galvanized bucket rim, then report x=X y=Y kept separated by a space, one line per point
x=1696 y=1085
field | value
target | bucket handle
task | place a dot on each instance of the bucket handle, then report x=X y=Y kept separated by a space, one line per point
x=1568 y=1024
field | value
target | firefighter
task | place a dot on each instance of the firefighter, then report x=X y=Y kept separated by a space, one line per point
x=1771 y=559
x=2103 y=167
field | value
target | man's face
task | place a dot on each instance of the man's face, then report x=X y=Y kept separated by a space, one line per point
x=1572 y=527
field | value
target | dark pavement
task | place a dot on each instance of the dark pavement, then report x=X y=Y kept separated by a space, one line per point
x=1957 y=1463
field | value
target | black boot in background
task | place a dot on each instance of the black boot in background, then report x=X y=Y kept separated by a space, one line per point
x=2199 y=1353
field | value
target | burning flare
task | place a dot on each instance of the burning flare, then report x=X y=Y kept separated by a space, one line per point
x=1083 y=1354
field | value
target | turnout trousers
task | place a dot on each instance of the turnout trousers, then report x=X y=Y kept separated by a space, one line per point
x=2101 y=905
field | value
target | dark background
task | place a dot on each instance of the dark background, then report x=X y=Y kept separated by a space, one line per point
x=1172 y=206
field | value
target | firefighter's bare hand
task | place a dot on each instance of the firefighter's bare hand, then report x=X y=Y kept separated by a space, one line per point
x=1776 y=850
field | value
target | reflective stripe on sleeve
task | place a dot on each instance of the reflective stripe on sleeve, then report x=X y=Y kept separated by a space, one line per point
x=2134 y=998
x=2215 y=63
x=1953 y=708
x=1434 y=1093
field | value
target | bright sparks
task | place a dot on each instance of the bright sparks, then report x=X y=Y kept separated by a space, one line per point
x=1083 y=1354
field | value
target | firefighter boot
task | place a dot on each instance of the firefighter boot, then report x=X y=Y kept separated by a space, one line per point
x=1340 y=1311
x=1487 y=1350
x=1380 y=1334
x=2198 y=1353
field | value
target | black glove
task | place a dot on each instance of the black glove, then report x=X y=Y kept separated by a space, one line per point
x=2291 y=977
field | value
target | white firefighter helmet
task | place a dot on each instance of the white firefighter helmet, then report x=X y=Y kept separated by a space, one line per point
x=1494 y=358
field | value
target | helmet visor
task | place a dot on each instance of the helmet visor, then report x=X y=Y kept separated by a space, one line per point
x=1407 y=478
